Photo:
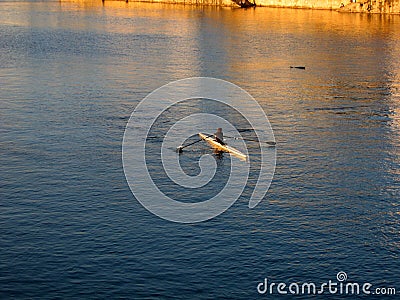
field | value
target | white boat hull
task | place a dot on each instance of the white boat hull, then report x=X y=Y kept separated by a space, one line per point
x=223 y=148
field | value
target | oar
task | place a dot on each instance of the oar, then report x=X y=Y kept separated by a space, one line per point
x=251 y=140
x=180 y=148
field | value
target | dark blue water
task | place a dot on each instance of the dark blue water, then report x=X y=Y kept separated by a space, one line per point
x=71 y=75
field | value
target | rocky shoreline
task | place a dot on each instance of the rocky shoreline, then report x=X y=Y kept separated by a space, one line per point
x=358 y=6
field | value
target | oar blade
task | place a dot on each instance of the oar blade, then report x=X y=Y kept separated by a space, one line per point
x=179 y=149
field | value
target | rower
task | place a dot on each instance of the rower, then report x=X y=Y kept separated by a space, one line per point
x=219 y=136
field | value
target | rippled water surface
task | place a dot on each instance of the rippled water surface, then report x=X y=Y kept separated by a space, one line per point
x=71 y=74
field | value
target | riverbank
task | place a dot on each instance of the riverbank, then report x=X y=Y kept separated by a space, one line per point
x=364 y=6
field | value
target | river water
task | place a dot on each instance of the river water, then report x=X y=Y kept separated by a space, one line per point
x=71 y=74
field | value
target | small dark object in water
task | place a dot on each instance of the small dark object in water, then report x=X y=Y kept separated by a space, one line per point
x=245 y=3
x=298 y=67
